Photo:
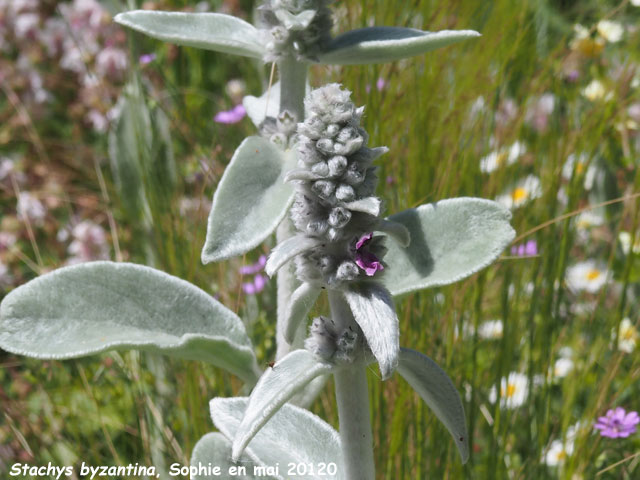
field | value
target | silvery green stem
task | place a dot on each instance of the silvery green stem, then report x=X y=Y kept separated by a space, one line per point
x=287 y=283
x=293 y=81
x=352 y=395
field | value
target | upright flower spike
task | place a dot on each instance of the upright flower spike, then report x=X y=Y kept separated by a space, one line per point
x=335 y=209
x=336 y=212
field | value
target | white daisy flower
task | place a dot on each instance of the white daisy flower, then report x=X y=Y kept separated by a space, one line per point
x=578 y=164
x=596 y=91
x=611 y=31
x=625 y=242
x=585 y=222
x=504 y=156
x=491 y=329
x=588 y=275
x=558 y=453
x=562 y=367
x=584 y=43
x=524 y=191
x=627 y=336
x=514 y=390
x=589 y=219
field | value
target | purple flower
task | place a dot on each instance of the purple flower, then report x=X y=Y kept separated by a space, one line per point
x=366 y=260
x=258 y=284
x=255 y=267
x=259 y=280
x=147 y=58
x=234 y=115
x=528 y=249
x=381 y=84
x=617 y=423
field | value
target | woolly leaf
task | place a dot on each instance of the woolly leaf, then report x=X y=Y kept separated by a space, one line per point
x=215 y=450
x=267 y=105
x=251 y=200
x=450 y=240
x=211 y=31
x=293 y=435
x=437 y=390
x=374 y=312
x=286 y=250
x=276 y=386
x=301 y=303
x=100 y=306
x=386 y=44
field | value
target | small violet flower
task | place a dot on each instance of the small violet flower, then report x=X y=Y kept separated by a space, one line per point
x=259 y=280
x=147 y=58
x=258 y=284
x=234 y=115
x=381 y=84
x=528 y=249
x=617 y=423
x=366 y=260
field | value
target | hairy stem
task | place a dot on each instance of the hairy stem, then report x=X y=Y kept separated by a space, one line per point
x=287 y=283
x=293 y=80
x=352 y=395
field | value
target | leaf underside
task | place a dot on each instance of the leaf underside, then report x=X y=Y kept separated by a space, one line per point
x=437 y=390
x=387 y=44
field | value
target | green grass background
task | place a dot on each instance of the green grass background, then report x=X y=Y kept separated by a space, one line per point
x=129 y=407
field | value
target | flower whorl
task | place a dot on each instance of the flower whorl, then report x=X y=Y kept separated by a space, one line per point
x=335 y=203
x=301 y=27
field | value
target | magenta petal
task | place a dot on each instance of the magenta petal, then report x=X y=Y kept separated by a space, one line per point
x=369 y=264
x=249 y=288
x=147 y=58
x=531 y=248
x=259 y=282
x=363 y=240
x=234 y=115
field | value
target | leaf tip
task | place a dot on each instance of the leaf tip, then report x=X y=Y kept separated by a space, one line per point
x=270 y=268
x=236 y=451
x=122 y=18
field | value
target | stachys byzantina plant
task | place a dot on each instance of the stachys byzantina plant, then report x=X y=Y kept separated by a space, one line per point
x=313 y=160
x=337 y=249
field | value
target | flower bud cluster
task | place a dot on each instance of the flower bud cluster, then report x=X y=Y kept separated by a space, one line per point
x=281 y=130
x=295 y=27
x=335 y=201
x=326 y=342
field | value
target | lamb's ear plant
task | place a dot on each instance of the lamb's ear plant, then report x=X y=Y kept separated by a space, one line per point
x=312 y=159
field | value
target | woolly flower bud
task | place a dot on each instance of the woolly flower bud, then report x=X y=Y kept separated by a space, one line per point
x=326 y=342
x=335 y=185
x=280 y=130
x=299 y=28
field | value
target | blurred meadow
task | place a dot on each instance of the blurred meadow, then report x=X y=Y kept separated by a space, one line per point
x=109 y=149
